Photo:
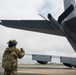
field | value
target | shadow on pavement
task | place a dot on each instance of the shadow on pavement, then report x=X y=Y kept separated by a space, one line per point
x=26 y=74
x=30 y=74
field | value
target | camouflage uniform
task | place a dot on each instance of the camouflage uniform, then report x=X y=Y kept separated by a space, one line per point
x=10 y=61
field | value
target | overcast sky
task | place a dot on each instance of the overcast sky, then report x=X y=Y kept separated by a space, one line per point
x=33 y=42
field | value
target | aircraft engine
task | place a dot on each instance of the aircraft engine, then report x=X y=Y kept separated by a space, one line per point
x=42 y=62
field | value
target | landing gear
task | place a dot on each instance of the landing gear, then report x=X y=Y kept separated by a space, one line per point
x=68 y=65
x=42 y=62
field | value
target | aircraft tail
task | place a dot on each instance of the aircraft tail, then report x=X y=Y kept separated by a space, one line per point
x=65 y=13
x=67 y=3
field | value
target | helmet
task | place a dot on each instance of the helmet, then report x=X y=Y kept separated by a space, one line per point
x=12 y=42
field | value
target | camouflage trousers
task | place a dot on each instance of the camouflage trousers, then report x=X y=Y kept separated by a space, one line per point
x=10 y=72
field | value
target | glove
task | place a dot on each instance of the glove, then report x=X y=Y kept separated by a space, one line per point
x=21 y=49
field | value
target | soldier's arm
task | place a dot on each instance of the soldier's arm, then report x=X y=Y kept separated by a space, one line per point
x=3 y=57
x=20 y=53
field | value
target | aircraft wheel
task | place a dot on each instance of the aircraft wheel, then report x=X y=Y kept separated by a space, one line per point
x=42 y=62
x=68 y=65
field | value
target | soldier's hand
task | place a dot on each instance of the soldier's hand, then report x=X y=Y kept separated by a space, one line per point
x=21 y=49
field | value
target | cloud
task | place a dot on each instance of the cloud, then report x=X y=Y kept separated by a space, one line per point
x=32 y=42
x=53 y=7
x=20 y=9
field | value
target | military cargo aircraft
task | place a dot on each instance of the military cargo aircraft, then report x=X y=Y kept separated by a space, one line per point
x=64 y=26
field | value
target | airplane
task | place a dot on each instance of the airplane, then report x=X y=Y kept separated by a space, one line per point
x=64 y=26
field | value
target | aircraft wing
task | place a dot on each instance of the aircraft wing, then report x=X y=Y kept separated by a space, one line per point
x=43 y=26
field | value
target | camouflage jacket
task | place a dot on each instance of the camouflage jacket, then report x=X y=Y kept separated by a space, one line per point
x=9 y=59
